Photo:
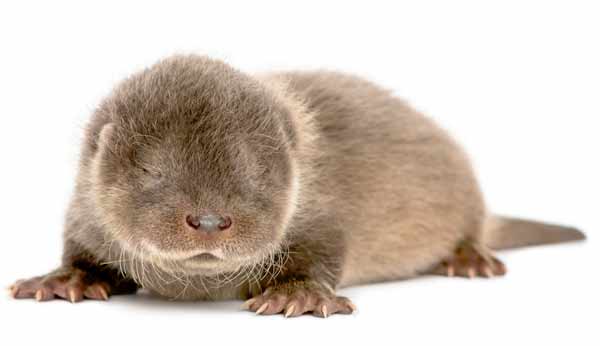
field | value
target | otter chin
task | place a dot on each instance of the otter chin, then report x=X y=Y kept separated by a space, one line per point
x=200 y=181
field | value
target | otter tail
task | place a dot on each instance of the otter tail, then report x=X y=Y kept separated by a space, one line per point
x=509 y=233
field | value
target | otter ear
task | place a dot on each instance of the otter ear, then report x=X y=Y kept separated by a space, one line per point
x=102 y=139
x=105 y=134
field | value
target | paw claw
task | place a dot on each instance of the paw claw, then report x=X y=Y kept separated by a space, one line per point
x=289 y=311
x=39 y=295
x=450 y=270
x=262 y=309
x=14 y=291
x=96 y=292
x=72 y=295
x=103 y=293
x=248 y=304
x=352 y=307
x=487 y=272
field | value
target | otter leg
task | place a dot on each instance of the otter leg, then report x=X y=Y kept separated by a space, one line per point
x=471 y=259
x=306 y=281
x=80 y=276
x=295 y=297
x=69 y=283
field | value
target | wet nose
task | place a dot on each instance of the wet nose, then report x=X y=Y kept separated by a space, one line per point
x=208 y=223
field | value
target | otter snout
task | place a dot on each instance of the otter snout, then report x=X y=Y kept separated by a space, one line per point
x=208 y=223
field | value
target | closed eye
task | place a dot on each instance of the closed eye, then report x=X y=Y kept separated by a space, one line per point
x=155 y=174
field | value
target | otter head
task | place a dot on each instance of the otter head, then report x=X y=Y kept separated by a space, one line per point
x=192 y=167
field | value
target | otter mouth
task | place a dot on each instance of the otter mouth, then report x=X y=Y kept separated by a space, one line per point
x=205 y=257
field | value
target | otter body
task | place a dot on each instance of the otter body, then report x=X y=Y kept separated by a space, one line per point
x=200 y=182
x=400 y=189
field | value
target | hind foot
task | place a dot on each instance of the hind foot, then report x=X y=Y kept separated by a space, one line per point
x=470 y=260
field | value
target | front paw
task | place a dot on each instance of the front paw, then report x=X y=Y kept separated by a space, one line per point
x=67 y=283
x=294 y=298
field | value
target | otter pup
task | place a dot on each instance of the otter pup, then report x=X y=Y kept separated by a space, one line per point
x=198 y=181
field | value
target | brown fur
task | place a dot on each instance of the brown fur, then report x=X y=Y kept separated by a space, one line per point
x=331 y=181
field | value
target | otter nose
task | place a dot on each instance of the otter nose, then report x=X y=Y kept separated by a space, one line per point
x=208 y=223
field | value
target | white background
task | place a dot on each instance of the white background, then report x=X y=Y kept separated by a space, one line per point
x=517 y=82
